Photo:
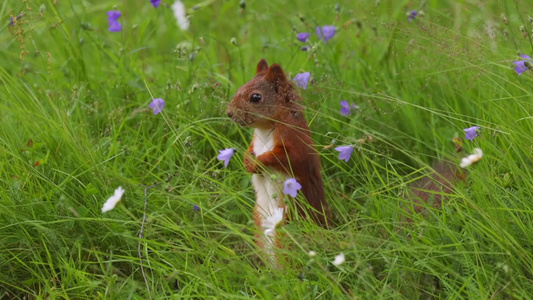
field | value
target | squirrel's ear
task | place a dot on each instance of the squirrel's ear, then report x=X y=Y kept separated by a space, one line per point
x=275 y=75
x=262 y=66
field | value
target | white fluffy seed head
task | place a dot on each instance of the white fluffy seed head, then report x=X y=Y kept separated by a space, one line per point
x=339 y=259
x=472 y=158
x=113 y=200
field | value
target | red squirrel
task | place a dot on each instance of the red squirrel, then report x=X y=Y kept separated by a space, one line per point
x=281 y=146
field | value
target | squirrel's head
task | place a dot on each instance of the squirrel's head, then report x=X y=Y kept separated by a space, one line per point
x=263 y=100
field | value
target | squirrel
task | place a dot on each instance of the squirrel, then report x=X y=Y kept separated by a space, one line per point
x=432 y=190
x=281 y=146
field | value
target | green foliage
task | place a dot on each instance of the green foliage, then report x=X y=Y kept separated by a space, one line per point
x=76 y=125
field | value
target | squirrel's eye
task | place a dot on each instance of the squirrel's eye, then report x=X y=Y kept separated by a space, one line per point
x=255 y=98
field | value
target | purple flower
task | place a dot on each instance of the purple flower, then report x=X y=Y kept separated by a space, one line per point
x=302 y=79
x=471 y=132
x=522 y=65
x=345 y=108
x=157 y=105
x=411 y=15
x=291 y=187
x=305 y=48
x=303 y=37
x=155 y=3
x=325 y=33
x=12 y=22
x=345 y=152
x=196 y=207
x=225 y=155
x=115 y=26
x=112 y=17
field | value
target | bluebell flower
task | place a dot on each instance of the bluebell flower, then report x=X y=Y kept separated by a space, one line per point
x=113 y=15
x=291 y=187
x=157 y=105
x=346 y=108
x=112 y=18
x=411 y=15
x=325 y=33
x=115 y=26
x=471 y=132
x=345 y=152
x=303 y=36
x=522 y=65
x=302 y=79
x=225 y=155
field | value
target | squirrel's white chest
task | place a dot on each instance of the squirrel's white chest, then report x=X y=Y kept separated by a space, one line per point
x=264 y=141
x=268 y=191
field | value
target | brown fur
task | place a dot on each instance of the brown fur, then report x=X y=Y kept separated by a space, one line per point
x=431 y=188
x=294 y=153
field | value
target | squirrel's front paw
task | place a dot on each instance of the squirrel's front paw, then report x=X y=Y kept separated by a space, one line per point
x=251 y=167
x=249 y=163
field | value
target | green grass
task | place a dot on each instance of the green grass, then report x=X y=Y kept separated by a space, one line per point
x=77 y=103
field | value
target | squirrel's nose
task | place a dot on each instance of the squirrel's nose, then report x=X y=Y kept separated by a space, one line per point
x=229 y=113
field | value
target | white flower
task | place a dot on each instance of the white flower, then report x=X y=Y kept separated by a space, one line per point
x=113 y=200
x=179 y=12
x=272 y=221
x=339 y=259
x=472 y=158
x=312 y=253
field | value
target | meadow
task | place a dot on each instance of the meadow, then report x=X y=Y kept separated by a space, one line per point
x=76 y=124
